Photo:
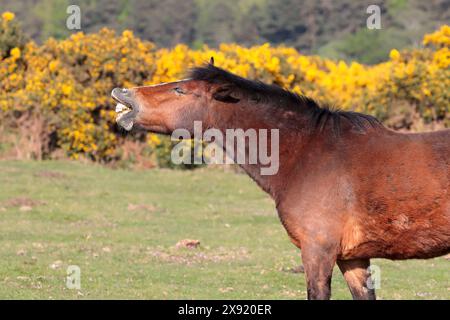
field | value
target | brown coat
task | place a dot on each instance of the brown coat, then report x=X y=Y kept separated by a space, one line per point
x=347 y=189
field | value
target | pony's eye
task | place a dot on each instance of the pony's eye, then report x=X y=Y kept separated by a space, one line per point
x=179 y=90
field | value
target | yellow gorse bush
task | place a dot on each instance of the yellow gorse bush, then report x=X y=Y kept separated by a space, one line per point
x=439 y=38
x=69 y=81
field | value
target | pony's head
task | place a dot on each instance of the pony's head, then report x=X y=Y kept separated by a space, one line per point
x=162 y=108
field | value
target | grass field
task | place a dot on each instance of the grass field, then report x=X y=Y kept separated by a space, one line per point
x=121 y=227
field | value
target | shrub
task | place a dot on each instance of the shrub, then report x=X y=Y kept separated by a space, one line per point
x=64 y=86
x=12 y=39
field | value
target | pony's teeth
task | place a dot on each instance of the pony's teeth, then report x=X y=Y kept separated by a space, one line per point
x=120 y=107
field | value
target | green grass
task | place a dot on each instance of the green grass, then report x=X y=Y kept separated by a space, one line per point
x=81 y=215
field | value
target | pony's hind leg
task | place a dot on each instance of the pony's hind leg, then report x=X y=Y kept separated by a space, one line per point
x=357 y=275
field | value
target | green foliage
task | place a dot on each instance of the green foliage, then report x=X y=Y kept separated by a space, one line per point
x=163 y=22
x=366 y=46
x=120 y=227
x=53 y=15
x=214 y=23
x=394 y=6
x=329 y=27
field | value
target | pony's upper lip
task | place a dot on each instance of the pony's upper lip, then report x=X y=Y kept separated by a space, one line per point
x=126 y=117
x=126 y=97
x=123 y=96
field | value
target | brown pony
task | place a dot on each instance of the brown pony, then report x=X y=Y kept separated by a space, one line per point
x=347 y=189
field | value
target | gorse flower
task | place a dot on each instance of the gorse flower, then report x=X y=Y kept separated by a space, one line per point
x=394 y=54
x=439 y=38
x=154 y=140
x=8 y=16
x=15 y=53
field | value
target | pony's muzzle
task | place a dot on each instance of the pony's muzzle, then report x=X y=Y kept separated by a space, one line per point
x=126 y=107
x=122 y=95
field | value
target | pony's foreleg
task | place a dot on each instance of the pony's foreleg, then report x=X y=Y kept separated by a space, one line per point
x=357 y=275
x=318 y=264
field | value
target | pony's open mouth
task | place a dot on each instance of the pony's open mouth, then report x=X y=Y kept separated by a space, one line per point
x=122 y=110
x=126 y=108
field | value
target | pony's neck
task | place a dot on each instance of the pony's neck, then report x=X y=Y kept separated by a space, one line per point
x=283 y=129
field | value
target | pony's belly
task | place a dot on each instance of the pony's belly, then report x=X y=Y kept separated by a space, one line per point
x=407 y=246
x=380 y=250
x=402 y=239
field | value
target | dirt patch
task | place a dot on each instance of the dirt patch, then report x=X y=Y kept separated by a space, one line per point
x=190 y=257
x=23 y=203
x=50 y=174
x=141 y=207
x=296 y=269
x=56 y=265
x=188 y=243
x=25 y=208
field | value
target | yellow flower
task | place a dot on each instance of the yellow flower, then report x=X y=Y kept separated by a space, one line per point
x=127 y=34
x=439 y=38
x=154 y=140
x=66 y=89
x=53 y=65
x=15 y=53
x=8 y=16
x=394 y=54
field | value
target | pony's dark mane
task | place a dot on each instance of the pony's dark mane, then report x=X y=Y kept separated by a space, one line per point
x=277 y=96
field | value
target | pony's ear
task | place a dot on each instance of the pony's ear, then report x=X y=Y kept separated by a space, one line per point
x=211 y=61
x=225 y=94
